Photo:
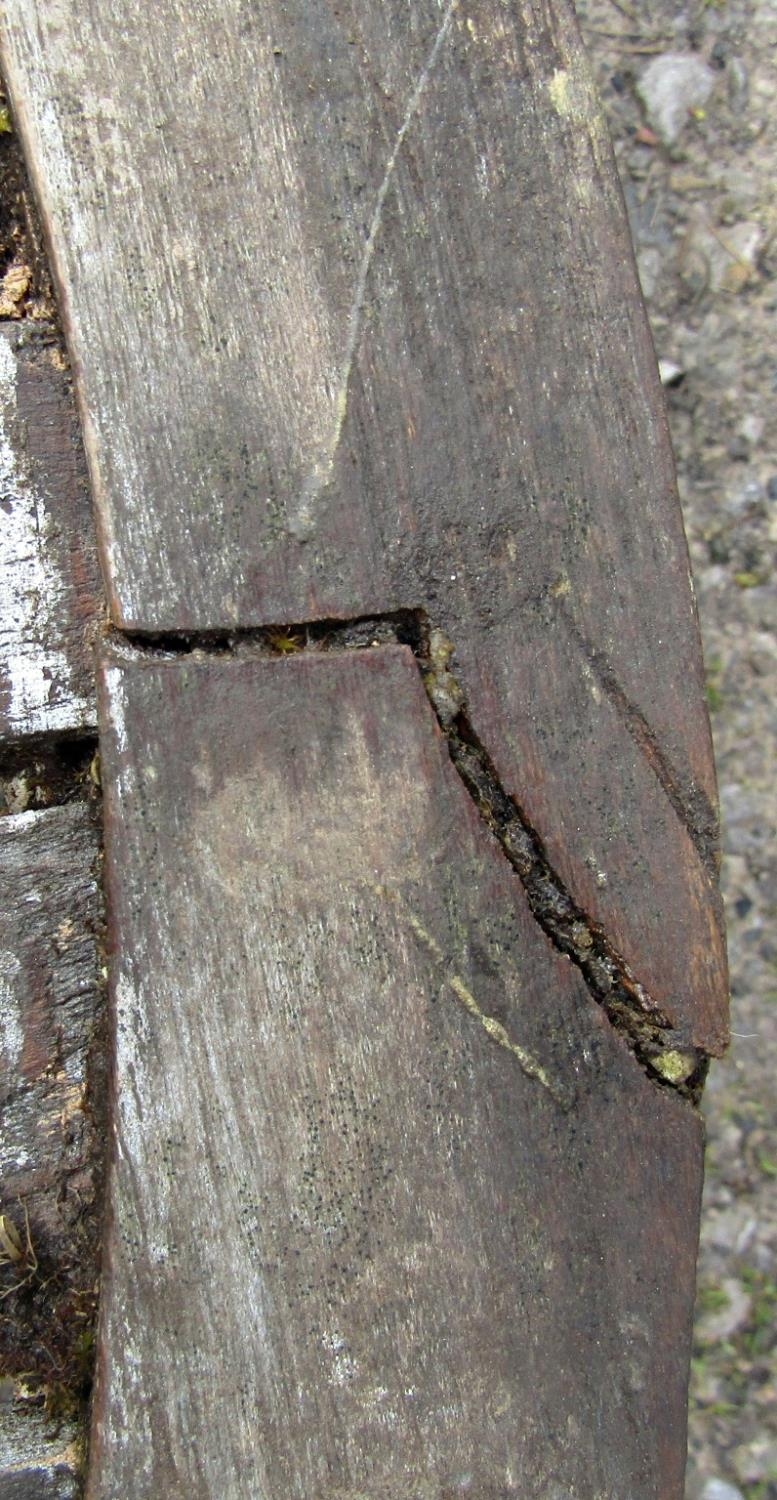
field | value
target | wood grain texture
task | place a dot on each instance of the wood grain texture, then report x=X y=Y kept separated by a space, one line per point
x=50 y=592
x=37 y=1462
x=393 y=1209
x=356 y=324
x=50 y=1152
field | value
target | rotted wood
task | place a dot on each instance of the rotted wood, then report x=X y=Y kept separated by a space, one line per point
x=50 y=592
x=50 y=1154
x=376 y=342
x=386 y=1181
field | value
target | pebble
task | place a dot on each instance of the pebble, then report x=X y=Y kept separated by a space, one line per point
x=730 y=255
x=718 y=1489
x=755 y=1462
x=739 y=448
x=714 y=1327
x=669 y=372
x=738 y=85
x=649 y=265
x=752 y=427
x=671 y=87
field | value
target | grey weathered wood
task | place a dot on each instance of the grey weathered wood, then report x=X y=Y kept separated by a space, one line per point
x=50 y=1153
x=356 y=327
x=49 y=576
x=38 y=1459
x=393 y=1209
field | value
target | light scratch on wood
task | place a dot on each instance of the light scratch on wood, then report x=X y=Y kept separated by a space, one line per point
x=493 y=1028
x=302 y=522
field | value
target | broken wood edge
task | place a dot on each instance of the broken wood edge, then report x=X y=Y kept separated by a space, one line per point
x=665 y=1052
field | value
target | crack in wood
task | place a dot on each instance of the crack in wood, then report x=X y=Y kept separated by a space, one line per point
x=664 y=1052
x=690 y=803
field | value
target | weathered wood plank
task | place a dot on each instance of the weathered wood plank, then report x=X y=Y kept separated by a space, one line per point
x=375 y=341
x=39 y=1460
x=393 y=1209
x=50 y=594
x=50 y=1150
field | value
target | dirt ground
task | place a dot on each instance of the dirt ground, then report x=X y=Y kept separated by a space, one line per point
x=697 y=153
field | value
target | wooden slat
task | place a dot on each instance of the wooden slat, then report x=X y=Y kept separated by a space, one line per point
x=50 y=1152
x=393 y=1209
x=39 y=1460
x=356 y=326
x=50 y=594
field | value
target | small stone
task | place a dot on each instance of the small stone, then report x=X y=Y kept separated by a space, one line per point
x=718 y=1489
x=752 y=427
x=738 y=85
x=739 y=448
x=670 y=373
x=755 y=1462
x=729 y=255
x=671 y=87
x=771 y=487
x=742 y=243
x=649 y=266
x=722 y=1323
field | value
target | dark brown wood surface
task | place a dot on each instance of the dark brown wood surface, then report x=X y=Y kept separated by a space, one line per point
x=50 y=594
x=395 y=1211
x=356 y=326
x=50 y=1155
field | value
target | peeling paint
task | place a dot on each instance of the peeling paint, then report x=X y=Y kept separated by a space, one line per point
x=36 y=674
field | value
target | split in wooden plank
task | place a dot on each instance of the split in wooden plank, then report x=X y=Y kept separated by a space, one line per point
x=391 y=1204
x=52 y=1084
x=376 y=342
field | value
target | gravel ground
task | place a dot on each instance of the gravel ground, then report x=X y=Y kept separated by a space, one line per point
x=691 y=96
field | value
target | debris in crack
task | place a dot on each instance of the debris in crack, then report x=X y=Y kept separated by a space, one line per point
x=663 y=1052
x=48 y=772
x=402 y=627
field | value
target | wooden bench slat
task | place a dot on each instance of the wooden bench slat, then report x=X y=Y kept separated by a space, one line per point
x=393 y=1209
x=357 y=328
x=50 y=1153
